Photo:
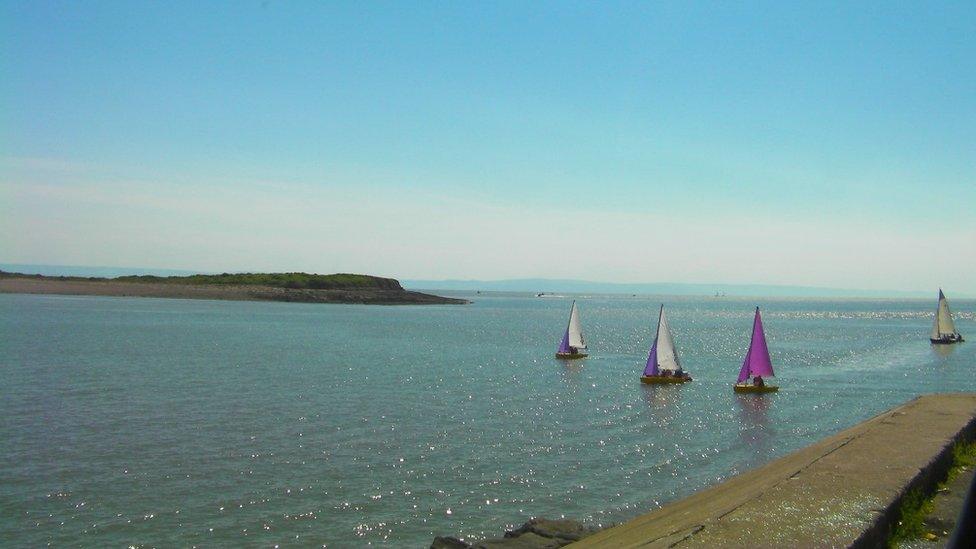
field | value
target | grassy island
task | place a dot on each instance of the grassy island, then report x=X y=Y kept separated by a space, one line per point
x=298 y=281
x=294 y=287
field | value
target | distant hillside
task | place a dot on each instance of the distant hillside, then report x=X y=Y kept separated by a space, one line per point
x=536 y=285
x=88 y=270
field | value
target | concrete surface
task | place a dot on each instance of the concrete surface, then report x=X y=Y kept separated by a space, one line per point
x=839 y=492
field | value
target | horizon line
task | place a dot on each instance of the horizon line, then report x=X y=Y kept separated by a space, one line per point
x=710 y=286
x=702 y=290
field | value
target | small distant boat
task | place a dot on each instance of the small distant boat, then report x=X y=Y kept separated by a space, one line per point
x=663 y=365
x=572 y=345
x=944 y=329
x=757 y=363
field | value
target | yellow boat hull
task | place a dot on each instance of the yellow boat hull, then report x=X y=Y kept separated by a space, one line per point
x=755 y=388
x=655 y=380
x=571 y=355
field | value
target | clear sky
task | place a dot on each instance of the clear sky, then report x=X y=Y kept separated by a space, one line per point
x=825 y=144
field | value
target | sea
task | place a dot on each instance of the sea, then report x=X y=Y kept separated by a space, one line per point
x=162 y=422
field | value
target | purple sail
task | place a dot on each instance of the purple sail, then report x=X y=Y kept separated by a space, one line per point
x=564 y=346
x=757 y=362
x=651 y=368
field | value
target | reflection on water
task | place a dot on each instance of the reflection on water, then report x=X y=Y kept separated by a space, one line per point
x=661 y=398
x=754 y=427
x=944 y=351
x=572 y=368
x=361 y=426
x=663 y=403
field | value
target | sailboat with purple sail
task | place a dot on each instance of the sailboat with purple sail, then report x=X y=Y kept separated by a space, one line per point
x=757 y=363
x=663 y=365
x=572 y=345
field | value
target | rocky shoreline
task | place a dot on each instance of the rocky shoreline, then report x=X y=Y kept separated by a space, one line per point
x=14 y=284
x=537 y=533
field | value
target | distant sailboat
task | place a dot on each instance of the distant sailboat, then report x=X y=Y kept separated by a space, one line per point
x=944 y=329
x=663 y=365
x=757 y=363
x=572 y=345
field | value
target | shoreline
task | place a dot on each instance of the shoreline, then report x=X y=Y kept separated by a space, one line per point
x=115 y=288
x=845 y=490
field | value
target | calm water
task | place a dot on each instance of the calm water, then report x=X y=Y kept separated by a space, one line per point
x=127 y=421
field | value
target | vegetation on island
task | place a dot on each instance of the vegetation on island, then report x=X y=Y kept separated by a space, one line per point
x=289 y=287
x=298 y=281
x=303 y=281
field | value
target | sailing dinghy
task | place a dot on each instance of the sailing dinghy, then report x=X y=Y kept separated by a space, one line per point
x=663 y=365
x=572 y=345
x=944 y=329
x=757 y=363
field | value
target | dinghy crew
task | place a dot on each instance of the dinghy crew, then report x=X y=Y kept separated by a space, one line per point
x=681 y=374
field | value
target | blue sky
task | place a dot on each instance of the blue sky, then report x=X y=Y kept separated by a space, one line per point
x=771 y=143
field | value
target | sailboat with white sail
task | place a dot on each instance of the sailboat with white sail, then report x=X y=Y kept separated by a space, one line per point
x=663 y=365
x=572 y=345
x=943 y=328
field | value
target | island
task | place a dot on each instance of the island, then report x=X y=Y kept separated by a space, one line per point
x=291 y=287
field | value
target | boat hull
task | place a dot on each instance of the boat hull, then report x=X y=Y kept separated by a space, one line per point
x=568 y=356
x=755 y=388
x=946 y=340
x=662 y=380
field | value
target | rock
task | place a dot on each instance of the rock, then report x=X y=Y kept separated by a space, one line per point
x=447 y=542
x=528 y=540
x=538 y=533
x=569 y=530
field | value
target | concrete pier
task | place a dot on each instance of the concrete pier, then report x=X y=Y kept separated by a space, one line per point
x=842 y=491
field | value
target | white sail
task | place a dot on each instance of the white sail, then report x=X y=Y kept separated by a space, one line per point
x=667 y=356
x=943 y=325
x=575 y=331
x=935 y=322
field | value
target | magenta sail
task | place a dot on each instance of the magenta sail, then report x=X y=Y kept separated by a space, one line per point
x=651 y=368
x=564 y=346
x=757 y=362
